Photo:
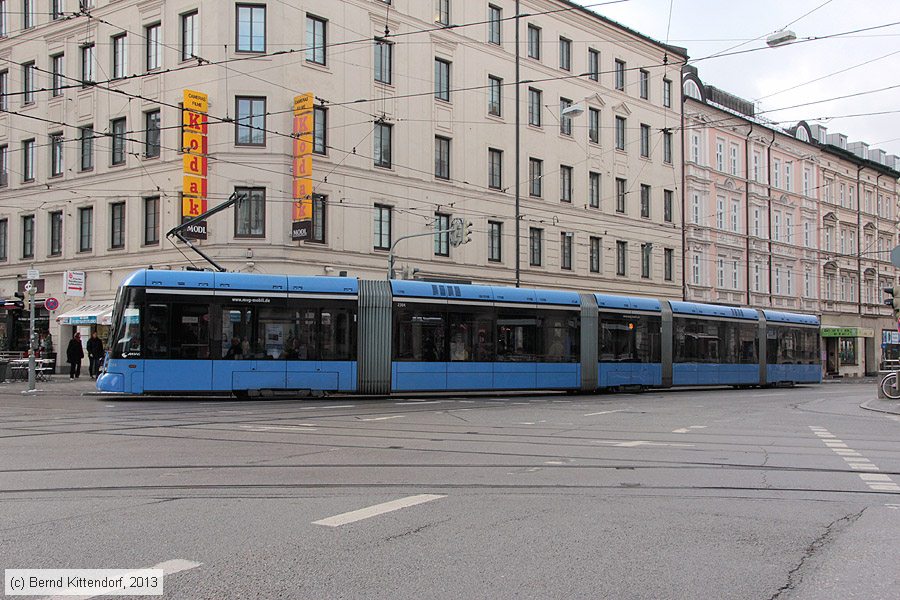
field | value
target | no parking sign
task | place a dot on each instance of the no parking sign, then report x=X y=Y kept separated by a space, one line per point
x=51 y=303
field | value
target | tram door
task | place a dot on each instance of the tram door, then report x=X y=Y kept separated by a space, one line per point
x=246 y=362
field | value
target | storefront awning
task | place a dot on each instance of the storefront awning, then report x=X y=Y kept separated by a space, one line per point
x=88 y=314
x=847 y=332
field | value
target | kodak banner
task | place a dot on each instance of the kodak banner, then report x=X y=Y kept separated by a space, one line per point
x=302 y=167
x=195 y=145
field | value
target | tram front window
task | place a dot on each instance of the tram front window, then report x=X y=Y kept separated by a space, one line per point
x=128 y=329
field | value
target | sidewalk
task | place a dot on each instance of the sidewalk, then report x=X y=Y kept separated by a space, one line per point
x=882 y=405
x=58 y=384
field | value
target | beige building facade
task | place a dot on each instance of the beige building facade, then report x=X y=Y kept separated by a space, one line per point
x=790 y=219
x=415 y=125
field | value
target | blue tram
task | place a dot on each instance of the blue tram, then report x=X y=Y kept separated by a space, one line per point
x=189 y=331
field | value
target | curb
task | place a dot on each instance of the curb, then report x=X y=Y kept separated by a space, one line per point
x=893 y=410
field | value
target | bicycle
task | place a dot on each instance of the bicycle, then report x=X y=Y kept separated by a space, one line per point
x=889 y=386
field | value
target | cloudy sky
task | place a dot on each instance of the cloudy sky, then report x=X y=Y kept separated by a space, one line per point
x=833 y=67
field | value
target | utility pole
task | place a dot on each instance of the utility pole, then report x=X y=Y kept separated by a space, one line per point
x=31 y=290
x=460 y=233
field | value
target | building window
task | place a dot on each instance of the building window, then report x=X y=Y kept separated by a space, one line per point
x=720 y=213
x=315 y=40
x=644 y=81
x=565 y=121
x=383 y=134
x=620 y=75
x=534 y=42
x=151 y=221
x=734 y=159
x=4 y=23
x=534 y=107
x=646 y=251
x=382 y=221
x=594 y=64
x=4 y=165
x=620 y=195
x=117 y=225
x=28 y=236
x=320 y=130
x=645 y=140
x=442 y=12
x=190 y=35
x=594 y=189
x=154 y=46
x=645 y=201
x=495 y=169
x=384 y=62
x=595 y=255
x=668 y=263
x=251 y=28
x=594 y=125
x=28 y=160
x=28 y=76
x=565 y=251
x=56 y=69
x=621 y=252
x=565 y=183
x=720 y=273
x=495 y=17
x=318 y=219
x=250 y=125
x=495 y=85
x=667 y=147
x=4 y=90
x=27 y=14
x=847 y=351
x=441 y=157
x=56 y=154
x=250 y=215
x=667 y=93
x=735 y=216
x=56 y=9
x=695 y=149
x=620 y=133
x=56 y=231
x=442 y=79
x=118 y=141
x=565 y=54
x=85 y=229
x=87 y=64
x=495 y=241
x=720 y=155
x=86 y=143
x=535 y=176
x=4 y=239
x=441 y=234
x=535 y=246
x=695 y=269
x=119 y=56
x=668 y=197
x=151 y=134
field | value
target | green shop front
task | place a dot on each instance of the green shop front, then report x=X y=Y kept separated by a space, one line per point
x=848 y=351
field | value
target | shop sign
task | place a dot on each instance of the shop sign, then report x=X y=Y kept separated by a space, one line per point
x=73 y=283
x=847 y=332
x=38 y=285
x=302 y=188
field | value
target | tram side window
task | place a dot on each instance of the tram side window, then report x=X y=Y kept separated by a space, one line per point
x=337 y=334
x=792 y=345
x=128 y=329
x=696 y=341
x=560 y=336
x=420 y=334
x=517 y=335
x=471 y=334
x=237 y=332
x=738 y=343
x=156 y=330
x=190 y=331
x=630 y=338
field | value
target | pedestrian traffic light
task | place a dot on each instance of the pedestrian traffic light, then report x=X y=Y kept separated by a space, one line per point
x=893 y=299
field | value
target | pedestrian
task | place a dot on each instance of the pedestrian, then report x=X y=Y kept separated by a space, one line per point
x=74 y=354
x=95 y=354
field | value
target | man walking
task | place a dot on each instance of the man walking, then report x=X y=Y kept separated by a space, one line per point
x=74 y=354
x=95 y=354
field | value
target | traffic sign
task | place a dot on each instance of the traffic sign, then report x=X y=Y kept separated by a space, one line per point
x=32 y=274
x=51 y=303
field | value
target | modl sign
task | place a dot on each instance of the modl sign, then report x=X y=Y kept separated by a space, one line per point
x=197 y=231
x=301 y=230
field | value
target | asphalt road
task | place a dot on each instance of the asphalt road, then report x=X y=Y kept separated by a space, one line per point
x=777 y=493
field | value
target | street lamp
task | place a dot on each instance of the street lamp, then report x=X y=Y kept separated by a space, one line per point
x=577 y=109
x=780 y=38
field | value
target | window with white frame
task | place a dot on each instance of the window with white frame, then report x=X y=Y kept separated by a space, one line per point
x=735 y=275
x=695 y=269
x=720 y=213
x=720 y=154
x=720 y=273
x=789 y=228
x=734 y=159
x=190 y=35
x=735 y=216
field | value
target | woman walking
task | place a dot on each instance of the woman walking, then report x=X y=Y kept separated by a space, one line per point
x=74 y=354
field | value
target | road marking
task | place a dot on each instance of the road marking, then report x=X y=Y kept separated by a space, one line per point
x=324 y=407
x=637 y=443
x=834 y=445
x=874 y=477
x=842 y=452
x=851 y=459
x=374 y=511
x=864 y=466
x=878 y=482
x=422 y=402
x=554 y=462
x=384 y=418
x=169 y=567
x=604 y=412
x=893 y=506
x=885 y=487
x=279 y=427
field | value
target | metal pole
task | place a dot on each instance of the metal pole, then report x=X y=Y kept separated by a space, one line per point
x=390 y=273
x=33 y=344
x=518 y=154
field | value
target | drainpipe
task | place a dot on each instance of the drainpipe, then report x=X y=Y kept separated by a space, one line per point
x=747 y=207
x=769 y=194
x=684 y=294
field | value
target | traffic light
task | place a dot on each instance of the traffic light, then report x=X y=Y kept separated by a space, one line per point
x=893 y=299
x=468 y=232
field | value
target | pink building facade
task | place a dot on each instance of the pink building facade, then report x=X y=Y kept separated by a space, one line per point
x=788 y=219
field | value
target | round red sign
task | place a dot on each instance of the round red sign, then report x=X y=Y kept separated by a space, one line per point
x=51 y=303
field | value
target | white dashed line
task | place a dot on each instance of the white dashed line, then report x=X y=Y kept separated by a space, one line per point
x=374 y=511
x=878 y=482
x=603 y=412
x=384 y=418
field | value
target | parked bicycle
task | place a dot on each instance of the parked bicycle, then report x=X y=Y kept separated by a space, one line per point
x=889 y=386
